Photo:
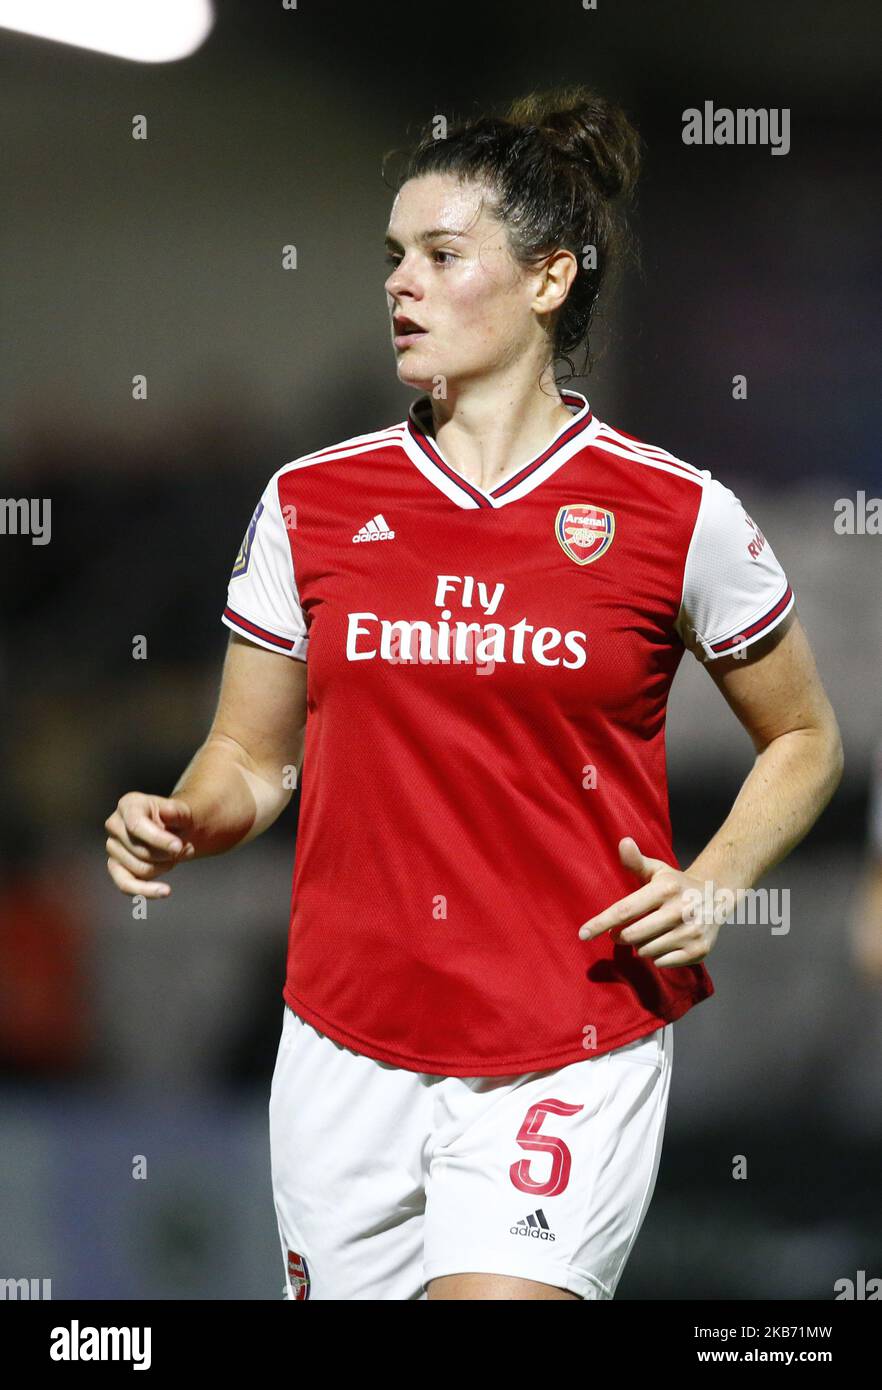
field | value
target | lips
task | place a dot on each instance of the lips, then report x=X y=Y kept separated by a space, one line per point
x=403 y=325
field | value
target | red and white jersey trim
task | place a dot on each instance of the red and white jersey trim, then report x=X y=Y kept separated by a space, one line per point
x=623 y=447
x=424 y=452
x=751 y=632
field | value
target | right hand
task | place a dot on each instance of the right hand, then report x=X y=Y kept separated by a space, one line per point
x=147 y=837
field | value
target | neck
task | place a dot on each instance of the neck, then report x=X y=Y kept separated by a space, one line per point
x=486 y=430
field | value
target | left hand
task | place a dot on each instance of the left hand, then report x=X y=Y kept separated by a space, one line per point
x=666 y=927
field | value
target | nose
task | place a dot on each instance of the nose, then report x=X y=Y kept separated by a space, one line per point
x=400 y=284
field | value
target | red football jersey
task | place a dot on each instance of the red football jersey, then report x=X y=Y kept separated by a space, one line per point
x=487 y=682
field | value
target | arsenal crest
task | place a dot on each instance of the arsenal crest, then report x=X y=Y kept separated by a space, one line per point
x=585 y=532
x=299 y=1277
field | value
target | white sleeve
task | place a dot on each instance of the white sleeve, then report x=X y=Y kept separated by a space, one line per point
x=262 y=599
x=734 y=589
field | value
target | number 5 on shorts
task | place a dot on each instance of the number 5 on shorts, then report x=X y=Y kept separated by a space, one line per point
x=529 y=1138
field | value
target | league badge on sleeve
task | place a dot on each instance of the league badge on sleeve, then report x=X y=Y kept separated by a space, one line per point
x=299 y=1277
x=241 y=565
x=585 y=532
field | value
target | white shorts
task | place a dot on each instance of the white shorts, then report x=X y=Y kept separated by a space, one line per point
x=384 y=1179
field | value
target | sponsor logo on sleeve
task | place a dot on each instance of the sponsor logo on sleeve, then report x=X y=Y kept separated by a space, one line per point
x=757 y=540
x=241 y=565
x=298 y=1274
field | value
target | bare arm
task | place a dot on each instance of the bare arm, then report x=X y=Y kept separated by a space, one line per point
x=778 y=697
x=235 y=786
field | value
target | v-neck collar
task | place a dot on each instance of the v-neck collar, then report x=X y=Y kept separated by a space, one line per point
x=423 y=451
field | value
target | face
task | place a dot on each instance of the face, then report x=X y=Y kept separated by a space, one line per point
x=454 y=275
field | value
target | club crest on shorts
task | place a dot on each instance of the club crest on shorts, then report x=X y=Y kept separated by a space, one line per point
x=299 y=1277
x=585 y=532
x=244 y=555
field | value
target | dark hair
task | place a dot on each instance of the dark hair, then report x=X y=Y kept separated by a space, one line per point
x=558 y=165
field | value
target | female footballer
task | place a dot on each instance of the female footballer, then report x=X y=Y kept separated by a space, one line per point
x=463 y=628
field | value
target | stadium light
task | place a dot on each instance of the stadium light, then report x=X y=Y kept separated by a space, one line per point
x=145 y=31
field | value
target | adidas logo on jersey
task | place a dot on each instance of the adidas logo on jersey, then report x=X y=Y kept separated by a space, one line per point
x=377 y=529
x=535 y=1226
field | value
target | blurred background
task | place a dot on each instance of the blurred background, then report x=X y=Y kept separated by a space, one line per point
x=163 y=257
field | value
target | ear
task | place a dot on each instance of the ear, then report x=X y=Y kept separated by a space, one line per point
x=556 y=274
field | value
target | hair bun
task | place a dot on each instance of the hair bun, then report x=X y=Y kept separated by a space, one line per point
x=585 y=126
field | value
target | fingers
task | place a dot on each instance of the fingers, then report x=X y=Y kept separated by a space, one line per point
x=634 y=859
x=668 y=916
x=119 y=834
x=674 y=950
x=139 y=866
x=678 y=943
x=144 y=830
x=137 y=823
x=173 y=811
x=139 y=846
x=678 y=959
x=127 y=883
x=629 y=908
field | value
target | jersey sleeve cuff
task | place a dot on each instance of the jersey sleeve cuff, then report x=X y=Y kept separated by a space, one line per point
x=264 y=637
x=751 y=632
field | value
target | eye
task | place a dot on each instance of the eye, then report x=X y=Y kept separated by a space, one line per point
x=393 y=259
